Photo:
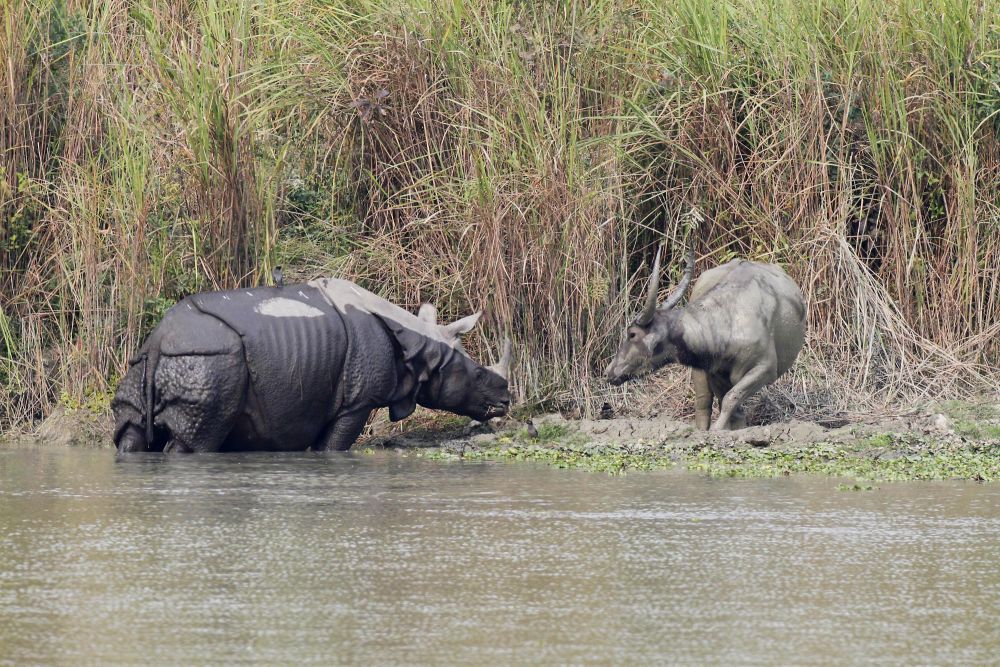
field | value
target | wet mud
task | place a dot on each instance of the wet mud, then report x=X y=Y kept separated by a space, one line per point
x=964 y=444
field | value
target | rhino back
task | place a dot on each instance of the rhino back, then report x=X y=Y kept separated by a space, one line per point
x=295 y=346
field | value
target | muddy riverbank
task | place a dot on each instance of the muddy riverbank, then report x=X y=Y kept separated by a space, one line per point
x=950 y=441
x=959 y=441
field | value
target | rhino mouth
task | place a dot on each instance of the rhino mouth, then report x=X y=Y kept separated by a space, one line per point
x=496 y=410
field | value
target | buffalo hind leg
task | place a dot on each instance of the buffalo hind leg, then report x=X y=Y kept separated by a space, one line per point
x=720 y=387
x=702 y=399
x=343 y=432
x=756 y=377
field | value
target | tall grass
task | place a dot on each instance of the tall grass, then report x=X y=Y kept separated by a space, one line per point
x=523 y=157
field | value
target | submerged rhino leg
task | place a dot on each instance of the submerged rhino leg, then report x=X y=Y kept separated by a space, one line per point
x=128 y=406
x=132 y=439
x=199 y=399
x=175 y=446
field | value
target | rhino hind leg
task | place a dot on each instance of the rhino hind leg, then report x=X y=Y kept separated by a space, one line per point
x=128 y=406
x=200 y=398
x=132 y=439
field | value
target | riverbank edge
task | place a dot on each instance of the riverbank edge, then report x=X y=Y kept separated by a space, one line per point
x=959 y=442
x=932 y=446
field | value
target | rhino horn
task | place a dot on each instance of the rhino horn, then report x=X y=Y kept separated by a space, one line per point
x=682 y=286
x=646 y=316
x=428 y=313
x=464 y=325
x=502 y=367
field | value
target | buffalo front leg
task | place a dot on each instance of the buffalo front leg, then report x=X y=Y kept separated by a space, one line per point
x=702 y=399
x=343 y=432
x=731 y=408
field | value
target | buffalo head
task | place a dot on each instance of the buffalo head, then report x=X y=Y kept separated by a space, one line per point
x=648 y=344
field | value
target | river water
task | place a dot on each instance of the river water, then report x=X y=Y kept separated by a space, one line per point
x=386 y=559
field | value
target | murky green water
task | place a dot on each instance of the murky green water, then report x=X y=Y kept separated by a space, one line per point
x=303 y=559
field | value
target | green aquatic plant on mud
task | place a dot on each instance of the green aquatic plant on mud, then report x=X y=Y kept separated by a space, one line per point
x=886 y=456
x=974 y=463
x=564 y=447
x=600 y=458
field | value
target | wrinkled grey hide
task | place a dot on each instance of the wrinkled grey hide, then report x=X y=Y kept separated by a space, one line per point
x=742 y=328
x=295 y=367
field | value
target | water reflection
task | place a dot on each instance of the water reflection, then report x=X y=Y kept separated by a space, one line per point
x=295 y=559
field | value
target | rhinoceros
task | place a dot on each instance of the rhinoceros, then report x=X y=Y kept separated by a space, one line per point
x=295 y=367
x=742 y=328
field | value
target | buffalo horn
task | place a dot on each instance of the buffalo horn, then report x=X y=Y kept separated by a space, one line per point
x=646 y=316
x=682 y=286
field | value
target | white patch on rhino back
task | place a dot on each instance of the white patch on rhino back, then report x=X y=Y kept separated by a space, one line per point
x=283 y=307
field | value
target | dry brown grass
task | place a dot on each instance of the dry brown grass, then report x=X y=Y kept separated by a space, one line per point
x=524 y=160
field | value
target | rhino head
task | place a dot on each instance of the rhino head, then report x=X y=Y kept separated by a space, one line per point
x=436 y=372
x=650 y=341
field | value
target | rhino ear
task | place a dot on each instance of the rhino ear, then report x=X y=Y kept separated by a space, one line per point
x=464 y=325
x=409 y=341
x=428 y=313
x=421 y=356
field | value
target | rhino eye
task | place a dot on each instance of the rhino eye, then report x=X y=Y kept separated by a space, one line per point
x=632 y=335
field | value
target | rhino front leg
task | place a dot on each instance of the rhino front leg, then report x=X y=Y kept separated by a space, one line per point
x=343 y=432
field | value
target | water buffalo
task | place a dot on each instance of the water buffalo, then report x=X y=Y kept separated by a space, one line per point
x=295 y=367
x=742 y=328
